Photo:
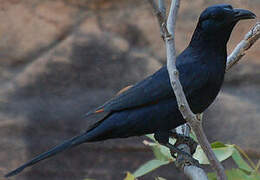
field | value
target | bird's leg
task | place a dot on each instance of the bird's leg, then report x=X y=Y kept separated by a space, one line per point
x=183 y=159
x=182 y=139
x=163 y=138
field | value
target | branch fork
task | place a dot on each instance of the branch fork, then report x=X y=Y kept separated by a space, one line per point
x=194 y=120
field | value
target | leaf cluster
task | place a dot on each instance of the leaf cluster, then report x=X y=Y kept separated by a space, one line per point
x=246 y=169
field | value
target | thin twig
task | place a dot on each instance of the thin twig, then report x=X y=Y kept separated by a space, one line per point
x=250 y=38
x=252 y=164
x=162 y=8
x=160 y=13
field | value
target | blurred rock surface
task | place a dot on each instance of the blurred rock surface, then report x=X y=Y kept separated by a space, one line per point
x=61 y=58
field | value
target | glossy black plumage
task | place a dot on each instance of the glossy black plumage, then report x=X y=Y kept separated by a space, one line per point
x=150 y=106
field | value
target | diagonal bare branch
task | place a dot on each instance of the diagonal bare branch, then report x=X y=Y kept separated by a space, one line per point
x=250 y=38
x=195 y=120
x=188 y=115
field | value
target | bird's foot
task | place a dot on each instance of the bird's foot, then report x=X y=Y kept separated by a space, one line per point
x=183 y=159
x=186 y=160
x=181 y=139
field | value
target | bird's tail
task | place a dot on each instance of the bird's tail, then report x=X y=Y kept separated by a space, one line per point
x=59 y=148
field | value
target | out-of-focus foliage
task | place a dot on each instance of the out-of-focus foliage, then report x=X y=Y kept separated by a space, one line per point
x=149 y=166
x=246 y=169
x=237 y=174
x=129 y=176
x=222 y=151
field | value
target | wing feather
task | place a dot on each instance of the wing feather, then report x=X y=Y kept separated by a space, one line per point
x=157 y=87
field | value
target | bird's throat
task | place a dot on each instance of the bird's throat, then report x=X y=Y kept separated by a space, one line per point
x=216 y=40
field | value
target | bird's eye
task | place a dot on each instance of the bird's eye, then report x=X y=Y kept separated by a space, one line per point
x=217 y=17
x=214 y=16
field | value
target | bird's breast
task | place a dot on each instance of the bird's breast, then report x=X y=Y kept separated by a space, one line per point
x=202 y=98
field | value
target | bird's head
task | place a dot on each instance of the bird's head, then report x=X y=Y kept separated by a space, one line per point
x=219 y=20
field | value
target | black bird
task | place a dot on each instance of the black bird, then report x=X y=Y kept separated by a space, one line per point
x=150 y=106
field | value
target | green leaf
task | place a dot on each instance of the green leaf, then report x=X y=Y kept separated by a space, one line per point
x=238 y=174
x=241 y=163
x=212 y=176
x=159 y=153
x=222 y=152
x=218 y=144
x=148 y=167
x=255 y=175
x=172 y=140
x=129 y=176
x=151 y=137
x=235 y=174
x=166 y=152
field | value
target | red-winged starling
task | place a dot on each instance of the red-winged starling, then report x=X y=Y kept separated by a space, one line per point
x=150 y=106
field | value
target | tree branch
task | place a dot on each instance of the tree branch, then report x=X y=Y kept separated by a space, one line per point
x=160 y=13
x=162 y=7
x=194 y=120
x=250 y=38
x=190 y=171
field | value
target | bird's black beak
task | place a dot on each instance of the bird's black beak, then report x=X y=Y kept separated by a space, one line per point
x=243 y=14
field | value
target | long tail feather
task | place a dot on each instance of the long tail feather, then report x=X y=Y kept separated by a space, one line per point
x=59 y=148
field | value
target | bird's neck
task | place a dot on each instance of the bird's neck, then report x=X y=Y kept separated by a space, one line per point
x=216 y=41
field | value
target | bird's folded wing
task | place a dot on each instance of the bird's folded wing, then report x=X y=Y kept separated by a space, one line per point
x=148 y=91
x=156 y=88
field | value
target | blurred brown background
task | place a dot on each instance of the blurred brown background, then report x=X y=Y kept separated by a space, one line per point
x=61 y=58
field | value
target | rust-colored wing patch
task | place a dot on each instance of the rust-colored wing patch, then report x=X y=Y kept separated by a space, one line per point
x=124 y=89
x=99 y=110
